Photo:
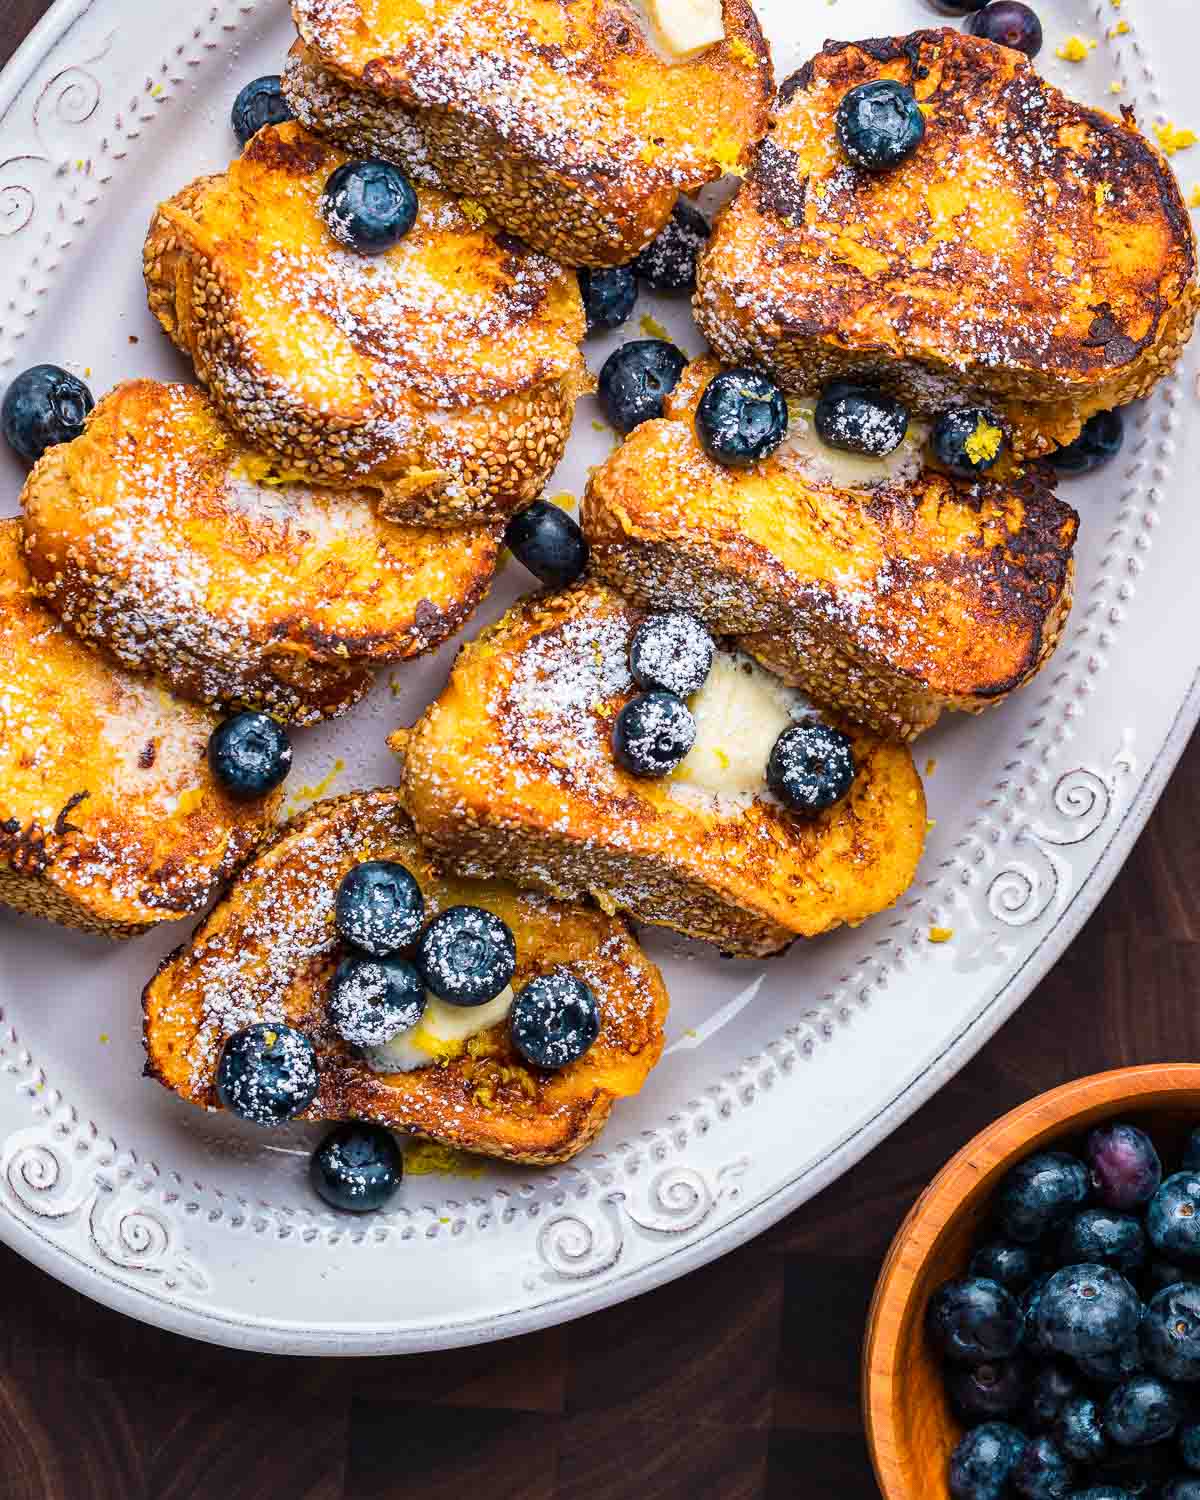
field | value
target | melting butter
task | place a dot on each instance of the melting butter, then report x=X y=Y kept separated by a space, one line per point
x=848 y=471
x=442 y=1031
x=679 y=30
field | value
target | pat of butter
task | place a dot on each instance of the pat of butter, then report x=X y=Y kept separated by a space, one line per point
x=848 y=471
x=685 y=28
x=442 y=1030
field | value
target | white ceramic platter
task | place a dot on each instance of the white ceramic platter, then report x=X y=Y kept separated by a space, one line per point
x=778 y=1076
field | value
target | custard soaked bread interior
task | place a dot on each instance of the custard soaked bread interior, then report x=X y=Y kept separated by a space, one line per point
x=1030 y=252
x=442 y=373
x=565 y=119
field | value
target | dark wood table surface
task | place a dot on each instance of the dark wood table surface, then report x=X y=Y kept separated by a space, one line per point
x=738 y=1382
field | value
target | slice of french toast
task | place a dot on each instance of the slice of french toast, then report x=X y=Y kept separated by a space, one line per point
x=1031 y=253
x=159 y=535
x=442 y=373
x=511 y=772
x=883 y=589
x=267 y=952
x=110 y=819
x=563 y=118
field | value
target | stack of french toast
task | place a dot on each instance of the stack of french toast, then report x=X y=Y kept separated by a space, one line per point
x=936 y=285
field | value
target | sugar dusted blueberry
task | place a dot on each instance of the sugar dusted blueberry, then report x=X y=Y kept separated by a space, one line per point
x=860 y=419
x=653 y=734
x=368 y=206
x=879 y=124
x=609 y=297
x=357 y=1168
x=250 y=755
x=467 y=955
x=555 y=1019
x=673 y=652
x=811 y=767
x=967 y=441
x=372 y=1000
x=668 y=263
x=379 y=907
x=742 y=418
x=636 y=381
x=267 y=1074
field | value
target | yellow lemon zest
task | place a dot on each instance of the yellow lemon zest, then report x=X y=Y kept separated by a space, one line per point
x=940 y=934
x=653 y=329
x=1075 y=49
x=1172 y=139
x=984 y=442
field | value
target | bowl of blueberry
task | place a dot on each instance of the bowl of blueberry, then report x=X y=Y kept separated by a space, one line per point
x=1035 y=1332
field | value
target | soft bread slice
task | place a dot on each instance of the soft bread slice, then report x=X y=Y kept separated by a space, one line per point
x=267 y=952
x=159 y=535
x=569 y=123
x=891 y=600
x=109 y=817
x=443 y=373
x=511 y=772
x=1031 y=253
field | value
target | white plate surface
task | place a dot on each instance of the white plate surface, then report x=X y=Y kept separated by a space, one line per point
x=777 y=1077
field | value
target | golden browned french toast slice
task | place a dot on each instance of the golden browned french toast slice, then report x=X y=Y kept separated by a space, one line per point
x=879 y=587
x=442 y=373
x=110 y=819
x=511 y=772
x=1031 y=253
x=267 y=952
x=566 y=119
x=160 y=536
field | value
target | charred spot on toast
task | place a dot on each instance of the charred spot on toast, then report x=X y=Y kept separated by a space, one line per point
x=292 y=154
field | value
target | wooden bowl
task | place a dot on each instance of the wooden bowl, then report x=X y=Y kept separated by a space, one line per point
x=910 y=1427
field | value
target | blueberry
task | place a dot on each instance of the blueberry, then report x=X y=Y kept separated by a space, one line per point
x=250 y=755
x=1141 y=1411
x=43 y=406
x=996 y=1389
x=1114 y=1366
x=260 y=103
x=1103 y=1492
x=1040 y=1194
x=879 y=124
x=1161 y=1273
x=1031 y=1300
x=554 y=1020
x=1173 y=1218
x=1085 y=1311
x=1183 y=1487
x=811 y=767
x=1189 y=1444
x=368 y=206
x=668 y=263
x=1102 y=1237
x=857 y=419
x=957 y=7
x=636 y=380
x=967 y=441
x=1013 y=1266
x=372 y=1000
x=1170 y=1332
x=1124 y=1165
x=1078 y=1430
x=267 y=1074
x=973 y=1321
x=981 y=1465
x=673 y=652
x=467 y=956
x=653 y=733
x=1100 y=440
x=609 y=297
x=1011 y=24
x=1043 y=1471
x=357 y=1167
x=742 y=418
x=1191 y=1152
x=379 y=907
x=1053 y=1386
x=547 y=541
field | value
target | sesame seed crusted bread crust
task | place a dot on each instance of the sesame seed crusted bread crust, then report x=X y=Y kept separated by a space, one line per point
x=559 y=116
x=267 y=952
x=889 y=603
x=511 y=772
x=158 y=535
x=442 y=374
x=1032 y=254
x=110 y=819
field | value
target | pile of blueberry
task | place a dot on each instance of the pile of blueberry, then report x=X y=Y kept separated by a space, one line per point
x=1072 y=1344
x=667 y=264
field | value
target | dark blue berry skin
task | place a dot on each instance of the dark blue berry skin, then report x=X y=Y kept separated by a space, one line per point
x=43 y=406
x=952 y=431
x=379 y=907
x=652 y=734
x=1103 y=1492
x=981 y=1392
x=250 y=755
x=260 y=103
x=1031 y=1300
x=811 y=767
x=1085 y=1311
x=466 y=955
x=857 y=419
x=973 y=1321
x=1040 y=1194
x=673 y=652
x=668 y=263
x=879 y=124
x=357 y=1168
x=1103 y=1237
x=1115 y=1366
x=1078 y=1430
x=1191 y=1152
x=609 y=297
x=1173 y=1218
x=1053 y=1386
x=1013 y=1266
x=982 y=1463
x=554 y=1020
x=636 y=380
x=550 y=543
x=1161 y=1273
x=1189 y=1444
x=958 y=7
x=742 y=418
x=1141 y=1411
x=267 y=1074
x=368 y=206
x=1184 y=1487
x=372 y=1000
x=1124 y=1166
x=1011 y=24
x=1170 y=1332
x=1043 y=1471
x=1101 y=440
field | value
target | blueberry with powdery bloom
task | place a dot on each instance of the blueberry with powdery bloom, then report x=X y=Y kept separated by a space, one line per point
x=996 y=1389
x=1173 y=1217
x=1043 y=1471
x=357 y=1168
x=1079 y=1431
x=973 y=1321
x=1085 y=1311
x=1053 y=1386
x=1142 y=1411
x=858 y=419
x=1013 y=1266
x=1040 y=1194
x=1102 y=1237
x=1170 y=1332
x=1124 y=1166
x=983 y=1462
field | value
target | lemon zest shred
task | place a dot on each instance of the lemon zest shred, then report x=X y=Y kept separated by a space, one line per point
x=653 y=329
x=1172 y=139
x=984 y=442
x=940 y=934
x=1075 y=49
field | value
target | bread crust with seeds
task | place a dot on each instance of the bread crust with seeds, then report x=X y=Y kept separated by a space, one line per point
x=160 y=536
x=890 y=603
x=268 y=950
x=1031 y=254
x=511 y=772
x=559 y=116
x=442 y=374
x=110 y=819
